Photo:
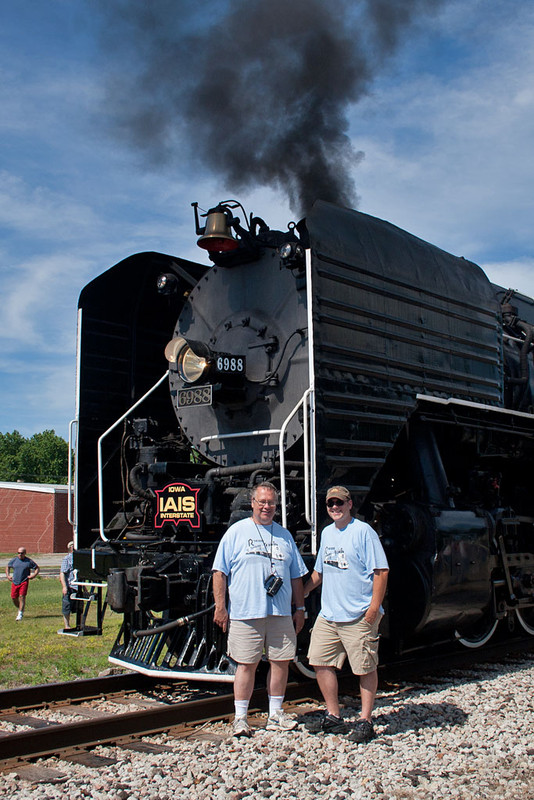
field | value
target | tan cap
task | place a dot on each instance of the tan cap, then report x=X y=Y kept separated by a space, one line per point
x=338 y=491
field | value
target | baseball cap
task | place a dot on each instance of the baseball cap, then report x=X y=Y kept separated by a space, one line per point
x=338 y=491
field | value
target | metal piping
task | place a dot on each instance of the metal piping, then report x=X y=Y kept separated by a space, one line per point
x=99 y=453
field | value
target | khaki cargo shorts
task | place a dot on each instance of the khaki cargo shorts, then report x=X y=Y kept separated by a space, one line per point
x=332 y=642
x=248 y=639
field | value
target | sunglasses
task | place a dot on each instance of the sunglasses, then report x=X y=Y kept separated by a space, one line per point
x=335 y=502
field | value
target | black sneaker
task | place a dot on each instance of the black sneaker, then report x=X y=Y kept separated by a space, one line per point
x=328 y=723
x=362 y=732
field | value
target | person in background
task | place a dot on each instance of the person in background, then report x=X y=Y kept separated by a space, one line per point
x=352 y=567
x=24 y=571
x=258 y=561
x=68 y=576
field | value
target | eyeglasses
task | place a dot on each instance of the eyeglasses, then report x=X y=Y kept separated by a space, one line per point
x=335 y=502
x=264 y=503
x=21 y=553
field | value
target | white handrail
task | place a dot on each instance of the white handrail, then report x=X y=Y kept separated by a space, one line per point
x=307 y=401
x=282 y=456
x=71 y=517
x=72 y=499
x=312 y=454
x=99 y=456
x=240 y=434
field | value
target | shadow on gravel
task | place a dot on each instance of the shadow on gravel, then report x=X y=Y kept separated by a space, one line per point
x=414 y=716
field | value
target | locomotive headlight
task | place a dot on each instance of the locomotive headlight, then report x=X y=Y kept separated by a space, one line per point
x=191 y=366
x=285 y=251
x=291 y=254
x=192 y=359
x=166 y=283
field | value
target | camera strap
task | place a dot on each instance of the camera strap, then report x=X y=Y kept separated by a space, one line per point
x=263 y=542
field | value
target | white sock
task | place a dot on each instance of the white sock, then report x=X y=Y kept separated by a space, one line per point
x=275 y=704
x=241 y=708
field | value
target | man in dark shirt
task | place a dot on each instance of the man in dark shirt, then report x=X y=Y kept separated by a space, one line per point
x=24 y=571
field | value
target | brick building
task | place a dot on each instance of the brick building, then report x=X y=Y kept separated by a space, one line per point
x=34 y=515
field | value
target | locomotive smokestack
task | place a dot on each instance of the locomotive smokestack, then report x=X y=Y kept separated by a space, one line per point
x=259 y=93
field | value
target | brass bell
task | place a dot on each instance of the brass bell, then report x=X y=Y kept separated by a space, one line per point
x=217 y=237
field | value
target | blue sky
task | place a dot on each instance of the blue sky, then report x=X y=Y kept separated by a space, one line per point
x=446 y=128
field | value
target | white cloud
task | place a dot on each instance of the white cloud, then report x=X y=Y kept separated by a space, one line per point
x=450 y=158
x=518 y=275
x=447 y=136
x=41 y=212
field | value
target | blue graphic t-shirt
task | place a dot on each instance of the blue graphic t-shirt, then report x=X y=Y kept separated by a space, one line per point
x=247 y=555
x=346 y=560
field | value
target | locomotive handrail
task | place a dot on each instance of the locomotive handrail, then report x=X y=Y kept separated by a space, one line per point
x=310 y=454
x=72 y=480
x=71 y=509
x=101 y=439
x=307 y=504
x=308 y=396
x=240 y=434
x=89 y=583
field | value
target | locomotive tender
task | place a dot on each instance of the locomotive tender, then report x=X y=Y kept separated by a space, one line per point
x=340 y=351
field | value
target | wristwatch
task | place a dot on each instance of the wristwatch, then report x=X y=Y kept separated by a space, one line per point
x=300 y=608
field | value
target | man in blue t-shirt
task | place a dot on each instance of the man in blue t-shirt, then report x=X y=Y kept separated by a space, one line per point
x=258 y=561
x=352 y=567
x=24 y=570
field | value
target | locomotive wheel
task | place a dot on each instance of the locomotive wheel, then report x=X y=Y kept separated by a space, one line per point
x=302 y=666
x=526 y=619
x=479 y=634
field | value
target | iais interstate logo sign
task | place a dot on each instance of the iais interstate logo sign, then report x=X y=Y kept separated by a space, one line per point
x=177 y=502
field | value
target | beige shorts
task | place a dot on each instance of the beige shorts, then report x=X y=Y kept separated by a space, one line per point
x=248 y=639
x=332 y=642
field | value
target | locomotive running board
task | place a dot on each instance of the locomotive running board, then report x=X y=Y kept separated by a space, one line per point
x=156 y=672
x=469 y=404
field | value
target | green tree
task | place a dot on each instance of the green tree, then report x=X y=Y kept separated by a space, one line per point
x=43 y=458
x=10 y=444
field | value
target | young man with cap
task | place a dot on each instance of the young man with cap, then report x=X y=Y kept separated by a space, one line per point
x=352 y=567
x=24 y=571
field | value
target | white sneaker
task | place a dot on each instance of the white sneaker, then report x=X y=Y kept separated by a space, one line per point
x=241 y=727
x=280 y=721
x=19 y=616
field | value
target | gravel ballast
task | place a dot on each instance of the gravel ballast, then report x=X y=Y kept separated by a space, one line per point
x=467 y=735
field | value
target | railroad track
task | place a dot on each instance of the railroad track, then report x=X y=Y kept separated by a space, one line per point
x=124 y=728
x=159 y=709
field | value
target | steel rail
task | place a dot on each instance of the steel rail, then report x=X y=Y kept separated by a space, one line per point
x=85 y=689
x=67 y=738
x=58 y=738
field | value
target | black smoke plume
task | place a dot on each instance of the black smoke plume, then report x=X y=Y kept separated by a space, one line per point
x=257 y=91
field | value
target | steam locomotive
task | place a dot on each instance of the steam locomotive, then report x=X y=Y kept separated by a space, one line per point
x=342 y=350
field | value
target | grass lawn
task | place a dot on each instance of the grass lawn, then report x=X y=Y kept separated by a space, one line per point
x=31 y=651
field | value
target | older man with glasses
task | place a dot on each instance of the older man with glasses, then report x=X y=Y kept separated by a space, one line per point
x=24 y=570
x=258 y=561
x=352 y=567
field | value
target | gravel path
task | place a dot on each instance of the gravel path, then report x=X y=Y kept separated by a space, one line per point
x=466 y=736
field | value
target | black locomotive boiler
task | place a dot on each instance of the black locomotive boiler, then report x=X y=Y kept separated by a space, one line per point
x=342 y=350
